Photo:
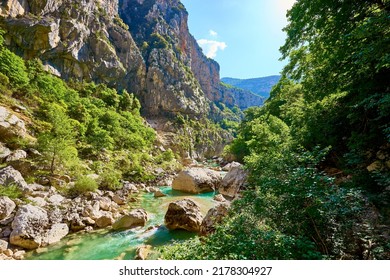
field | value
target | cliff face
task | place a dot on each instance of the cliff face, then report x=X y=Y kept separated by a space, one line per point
x=241 y=98
x=259 y=86
x=143 y=46
x=82 y=40
x=175 y=73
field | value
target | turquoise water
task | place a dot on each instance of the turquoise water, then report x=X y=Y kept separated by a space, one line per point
x=106 y=244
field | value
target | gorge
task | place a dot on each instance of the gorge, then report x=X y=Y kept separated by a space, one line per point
x=116 y=130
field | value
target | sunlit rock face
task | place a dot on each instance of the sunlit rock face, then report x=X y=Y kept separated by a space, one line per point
x=143 y=46
x=83 y=40
x=160 y=30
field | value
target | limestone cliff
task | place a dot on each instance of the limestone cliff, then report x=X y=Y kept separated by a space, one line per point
x=85 y=40
x=143 y=46
x=259 y=86
x=242 y=98
x=160 y=30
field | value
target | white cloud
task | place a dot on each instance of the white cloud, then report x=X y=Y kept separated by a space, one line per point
x=213 y=33
x=285 y=5
x=210 y=47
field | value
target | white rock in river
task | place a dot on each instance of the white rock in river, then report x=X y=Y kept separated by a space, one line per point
x=135 y=218
x=197 y=180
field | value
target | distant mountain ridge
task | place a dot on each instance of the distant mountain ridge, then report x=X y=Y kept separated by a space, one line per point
x=259 y=86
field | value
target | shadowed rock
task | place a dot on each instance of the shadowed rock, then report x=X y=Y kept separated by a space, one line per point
x=233 y=181
x=183 y=214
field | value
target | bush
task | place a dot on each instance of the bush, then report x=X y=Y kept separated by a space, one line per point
x=165 y=156
x=4 y=81
x=13 y=67
x=83 y=185
x=11 y=191
x=110 y=179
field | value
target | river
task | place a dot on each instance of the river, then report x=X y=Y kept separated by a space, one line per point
x=108 y=244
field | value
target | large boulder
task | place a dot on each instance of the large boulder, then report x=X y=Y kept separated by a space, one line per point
x=119 y=199
x=105 y=203
x=56 y=233
x=10 y=176
x=219 y=198
x=105 y=219
x=92 y=211
x=233 y=181
x=16 y=155
x=183 y=214
x=56 y=214
x=6 y=207
x=4 y=152
x=56 y=199
x=197 y=180
x=75 y=222
x=29 y=227
x=135 y=218
x=38 y=201
x=213 y=217
x=129 y=188
x=13 y=7
x=230 y=165
x=10 y=125
x=159 y=193
x=3 y=245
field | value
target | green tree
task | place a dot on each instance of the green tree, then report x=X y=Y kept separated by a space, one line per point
x=58 y=144
x=261 y=135
x=127 y=102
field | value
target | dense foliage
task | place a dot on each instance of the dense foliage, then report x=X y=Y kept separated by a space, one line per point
x=318 y=151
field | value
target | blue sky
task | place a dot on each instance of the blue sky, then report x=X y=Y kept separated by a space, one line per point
x=243 y=36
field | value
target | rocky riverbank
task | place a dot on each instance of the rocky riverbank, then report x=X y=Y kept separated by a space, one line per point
x=43 y=216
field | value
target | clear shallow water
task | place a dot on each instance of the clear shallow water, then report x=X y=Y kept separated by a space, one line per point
x=106 y=244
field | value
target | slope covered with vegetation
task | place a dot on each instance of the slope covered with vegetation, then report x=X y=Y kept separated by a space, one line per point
x=79 y=128
x=318 y=151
